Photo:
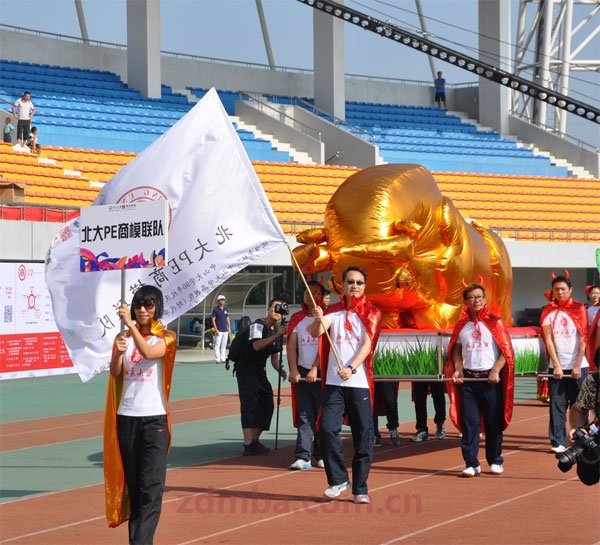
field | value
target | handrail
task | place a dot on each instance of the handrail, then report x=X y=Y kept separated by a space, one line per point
x=553 y=131
x=307 y=105
x=194 y=57
x=282 y=115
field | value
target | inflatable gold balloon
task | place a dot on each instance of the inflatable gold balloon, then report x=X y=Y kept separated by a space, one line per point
x=417 y=249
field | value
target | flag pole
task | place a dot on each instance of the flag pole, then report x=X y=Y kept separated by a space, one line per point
x=122 y=298
x=336 y=355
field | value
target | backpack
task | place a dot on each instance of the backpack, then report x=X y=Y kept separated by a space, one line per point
x=238 y=343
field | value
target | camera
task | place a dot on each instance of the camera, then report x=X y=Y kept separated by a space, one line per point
x=281 y=308
x=586 y=449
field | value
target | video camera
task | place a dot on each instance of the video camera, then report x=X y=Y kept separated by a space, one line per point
x=282 y=308
x=586 y=448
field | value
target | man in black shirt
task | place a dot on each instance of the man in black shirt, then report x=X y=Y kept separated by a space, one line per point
x=265 y=338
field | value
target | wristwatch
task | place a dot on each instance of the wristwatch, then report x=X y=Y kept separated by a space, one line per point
x=353 y=370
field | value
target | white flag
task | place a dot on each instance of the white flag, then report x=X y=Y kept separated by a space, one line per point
x=220 y=221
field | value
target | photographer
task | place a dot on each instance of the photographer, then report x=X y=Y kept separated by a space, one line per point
x=587 y=400
x=265 y=338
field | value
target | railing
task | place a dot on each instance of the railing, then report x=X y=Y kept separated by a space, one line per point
x=366 y=135
x=542 y=235
x=545 y=235
x=282 y=116
x=216 y=60
x=555 y=132
x=47 y=213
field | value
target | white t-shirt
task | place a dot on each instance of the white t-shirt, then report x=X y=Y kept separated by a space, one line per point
x=308 y=346
x=23 y=109
x=479 y=349
x=347 y=345
x=143 y=392
x=566 y=339
x=591 y=312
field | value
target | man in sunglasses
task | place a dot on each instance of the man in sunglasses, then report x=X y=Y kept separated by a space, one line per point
x=346 y=367
x=481 y=365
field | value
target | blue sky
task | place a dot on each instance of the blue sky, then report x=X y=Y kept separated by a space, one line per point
x=230 y=29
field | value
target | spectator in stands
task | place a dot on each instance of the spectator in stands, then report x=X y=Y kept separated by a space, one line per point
x=419 y=395
x=32 y=142
x=440 y=91
x=354 y=325
x=564 y=331
x=386 y=403
x=307 y=395
x=7 y=133
x=222 y=327
x=23 y=109
x=265 y=339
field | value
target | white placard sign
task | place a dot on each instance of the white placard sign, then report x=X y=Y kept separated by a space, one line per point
x=124 y=236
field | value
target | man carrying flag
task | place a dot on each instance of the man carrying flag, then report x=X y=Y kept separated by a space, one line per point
x=195 y=166
x=354 y=325
x=480 y=348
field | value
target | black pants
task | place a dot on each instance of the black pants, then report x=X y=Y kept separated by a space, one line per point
x=563 y=394
x=419 y=392
x=386 y=393
x=23 y=126
x=485 y=399
x=256 y=401
x=356 y=403
x=143 y=441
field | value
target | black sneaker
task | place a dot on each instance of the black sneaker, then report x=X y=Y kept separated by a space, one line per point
x=255 y=448
x=377 y=441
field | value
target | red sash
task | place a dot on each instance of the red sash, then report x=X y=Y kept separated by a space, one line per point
x=370 y=316
x=507 y=374
x=578 y=313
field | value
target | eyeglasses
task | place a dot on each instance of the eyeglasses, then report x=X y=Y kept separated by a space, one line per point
x=147 y=306
x=357 y=282
x=475 y=297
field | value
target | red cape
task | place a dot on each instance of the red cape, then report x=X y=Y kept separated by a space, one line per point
x=294 y=321
x=578 y=313
x=115 y=488
x=370 y=316
x=591 y=342
x=507 y=374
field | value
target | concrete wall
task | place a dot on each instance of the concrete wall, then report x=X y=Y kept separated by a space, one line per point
x=284 y=129
x=180 y=72
x=560 y=147
x=341 y=147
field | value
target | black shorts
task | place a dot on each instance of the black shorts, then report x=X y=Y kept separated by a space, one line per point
x=256 y=401
x=440 y=97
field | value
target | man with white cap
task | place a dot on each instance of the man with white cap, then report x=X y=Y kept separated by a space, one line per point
x=222 y=327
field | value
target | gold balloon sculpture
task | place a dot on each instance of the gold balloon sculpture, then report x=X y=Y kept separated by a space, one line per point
x=416 y=247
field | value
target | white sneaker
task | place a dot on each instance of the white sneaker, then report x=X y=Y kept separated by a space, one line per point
x=558 y=449
x=335 y=490
x=320 y=463
x=471 y=472
x=496 y=469
x=300 y=464
x=361 y=498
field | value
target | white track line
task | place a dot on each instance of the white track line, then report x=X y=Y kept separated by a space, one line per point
x=479 y=511
x=2 y=435
x=254 y=523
